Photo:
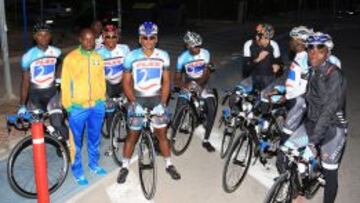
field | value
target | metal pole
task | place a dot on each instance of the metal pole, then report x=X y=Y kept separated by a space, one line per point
x=119 y=14
x=94 y=9
x=25 y=33
x=4 y=47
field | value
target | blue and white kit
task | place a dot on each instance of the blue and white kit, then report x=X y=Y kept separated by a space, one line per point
x=147 y=71
x=193 y=65
x=42 y=66
x=114 y=62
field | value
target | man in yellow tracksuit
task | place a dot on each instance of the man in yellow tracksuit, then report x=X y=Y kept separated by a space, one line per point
x=83 y=96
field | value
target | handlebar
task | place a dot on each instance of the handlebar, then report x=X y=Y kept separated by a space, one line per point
x=23 y=122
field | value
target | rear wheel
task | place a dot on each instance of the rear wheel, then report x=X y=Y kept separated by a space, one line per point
x=237 y=163
x=182 y=130
x=147 y=167
x=118 y=135
x=20 y=166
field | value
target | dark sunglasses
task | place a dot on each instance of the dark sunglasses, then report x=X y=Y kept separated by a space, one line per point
x=110 y=37
x=148 y=38
x=317 y=46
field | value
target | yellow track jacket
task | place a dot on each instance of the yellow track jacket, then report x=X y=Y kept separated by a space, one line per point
x=82 y=79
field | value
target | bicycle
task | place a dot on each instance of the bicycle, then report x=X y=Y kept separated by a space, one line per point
x=118 y=130
x=187 y=118
x=146 y=157
x=261 y=137
x=20 y=166
x=229 y=116
x=302 y=177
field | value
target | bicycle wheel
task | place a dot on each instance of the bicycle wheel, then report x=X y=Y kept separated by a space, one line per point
x=182 y=130
x=281 y=190
x=226 y=143
x=237 y=163
x=118 y=135
x=146 y=164
x=20 y=166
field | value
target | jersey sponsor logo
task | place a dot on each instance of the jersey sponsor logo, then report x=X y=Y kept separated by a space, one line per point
x=114 y=69
x=43 y=71
x=147 y=75
x=195 y=69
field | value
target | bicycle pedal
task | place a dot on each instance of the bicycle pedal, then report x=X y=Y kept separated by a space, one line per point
x=185 y=131
x=239 y=163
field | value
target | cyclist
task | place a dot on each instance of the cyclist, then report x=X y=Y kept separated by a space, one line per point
x=40 y=78
x=262 y=57
x=83 y=96
x=97 y=27
x=146 y=84
x=325 y=125
x=113 y=55
x=193 y=66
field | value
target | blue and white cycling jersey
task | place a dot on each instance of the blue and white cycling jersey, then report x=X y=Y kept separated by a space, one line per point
x=147 y=71
x=335 y=60
x=114 y=62
x=194 y=65
x=297 y=79
x=42 y=66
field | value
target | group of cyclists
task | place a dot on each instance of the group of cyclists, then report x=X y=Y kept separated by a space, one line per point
x=313 y=90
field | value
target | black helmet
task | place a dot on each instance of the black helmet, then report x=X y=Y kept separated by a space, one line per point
x=41 y=26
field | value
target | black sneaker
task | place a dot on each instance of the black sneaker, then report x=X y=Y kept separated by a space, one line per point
x=122 y=175
x=208 y=146
x=171 y=170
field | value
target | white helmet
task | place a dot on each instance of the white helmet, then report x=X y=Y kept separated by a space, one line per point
x=192 y=39
x=320 y=38
x=301 y=33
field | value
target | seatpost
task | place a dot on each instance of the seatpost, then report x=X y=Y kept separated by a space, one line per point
x=39 y=153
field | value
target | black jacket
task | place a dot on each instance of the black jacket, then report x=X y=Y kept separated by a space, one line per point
x=326 y=96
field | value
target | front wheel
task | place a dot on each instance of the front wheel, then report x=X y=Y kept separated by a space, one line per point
x=182 y=130
x=226 y=142
x=20 y=166
x=280 y=191
x=237 y=163
x=118 y=133
x=146 y=164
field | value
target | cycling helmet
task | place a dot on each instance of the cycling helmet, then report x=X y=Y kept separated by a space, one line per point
x=266 y=29
x=41 y=26
x=320 y=38
x=192 y=39
x=301 y=33
x=148 y=29
x=110 y=27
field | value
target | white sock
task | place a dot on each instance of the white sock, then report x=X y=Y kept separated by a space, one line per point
x=205 y=140
x=125 y=163
x=168 y=162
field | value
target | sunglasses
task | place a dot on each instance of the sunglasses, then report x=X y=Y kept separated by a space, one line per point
x=317 y=46
x=111 y=37
x=148 y=38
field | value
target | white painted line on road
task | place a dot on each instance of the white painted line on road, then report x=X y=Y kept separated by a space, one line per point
x=257 y=171
x=127 y=192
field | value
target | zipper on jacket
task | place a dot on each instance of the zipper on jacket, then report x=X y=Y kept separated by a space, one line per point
x=89 y=82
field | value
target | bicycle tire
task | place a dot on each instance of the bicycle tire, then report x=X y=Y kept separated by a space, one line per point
x=104 y=130
x=228 y=186
x=272 y=195
x=226 y=143
x=118 y=135
x=147 y=150
x=24 y=148
x=184 y=139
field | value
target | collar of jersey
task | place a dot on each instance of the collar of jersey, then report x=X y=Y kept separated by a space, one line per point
x=85 y=52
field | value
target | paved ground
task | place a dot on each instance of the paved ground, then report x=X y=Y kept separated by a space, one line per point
x=200 y=170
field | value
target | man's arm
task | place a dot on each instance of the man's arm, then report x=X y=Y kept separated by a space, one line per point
x=332 y=100
x=66 y=85
x=165 y=87
x=128 y=87
x=178 y=80
x=25 y=83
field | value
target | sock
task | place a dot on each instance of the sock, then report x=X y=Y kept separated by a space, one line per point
x=168 y=162
x=205 y=140
x=125 y=163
